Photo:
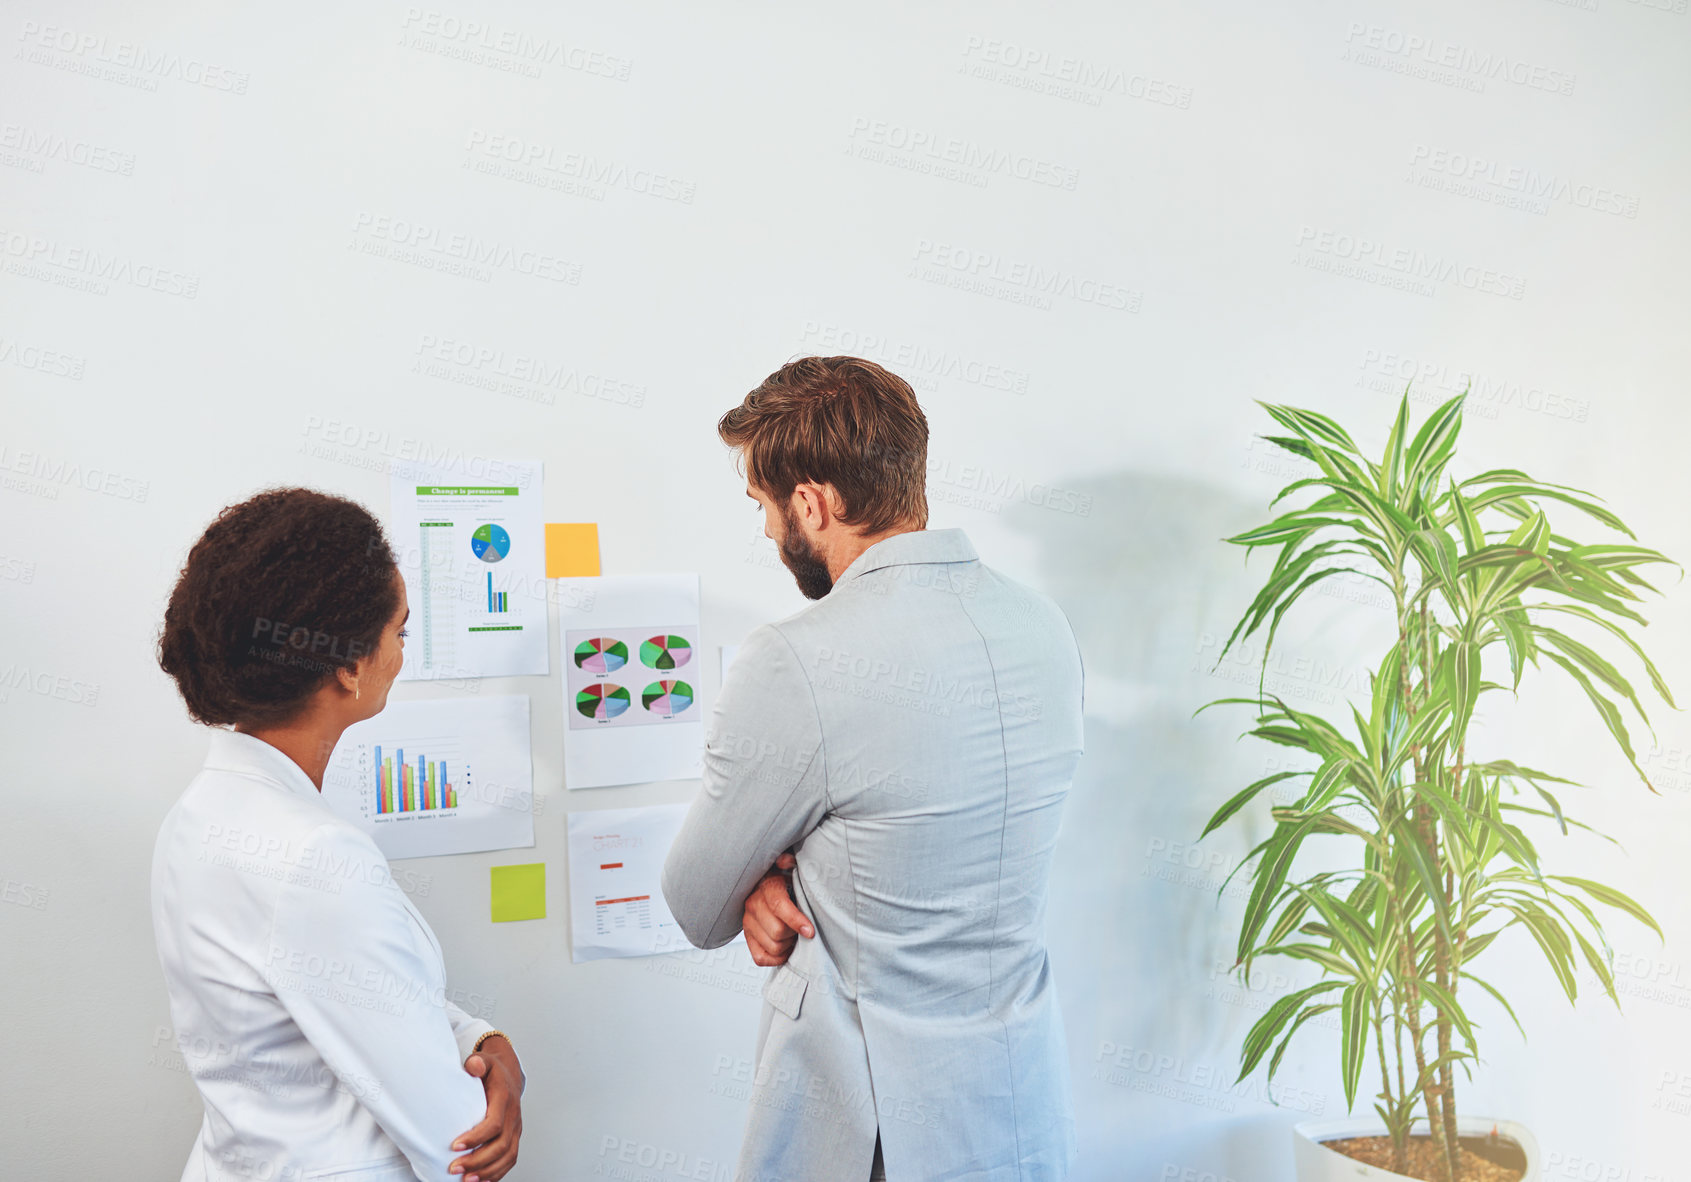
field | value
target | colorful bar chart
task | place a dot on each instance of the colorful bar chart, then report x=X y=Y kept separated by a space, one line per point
x=496 y=601
x=412 y=786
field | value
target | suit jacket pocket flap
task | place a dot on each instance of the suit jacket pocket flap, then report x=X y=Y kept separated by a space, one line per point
x=785 y=990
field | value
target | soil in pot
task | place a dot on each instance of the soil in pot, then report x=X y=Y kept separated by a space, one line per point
x=1484 y=1159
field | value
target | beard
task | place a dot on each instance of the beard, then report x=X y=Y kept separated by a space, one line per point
x=799 y=557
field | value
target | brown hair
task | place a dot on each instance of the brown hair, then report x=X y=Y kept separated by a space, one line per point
x=842 y=421
x=279 y=592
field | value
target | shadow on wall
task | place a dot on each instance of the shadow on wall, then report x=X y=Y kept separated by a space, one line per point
x=1139 y=943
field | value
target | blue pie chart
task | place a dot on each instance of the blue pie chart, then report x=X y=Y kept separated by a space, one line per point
x=490 y=542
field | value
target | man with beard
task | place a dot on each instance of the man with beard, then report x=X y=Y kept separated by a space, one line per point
x=884 y=774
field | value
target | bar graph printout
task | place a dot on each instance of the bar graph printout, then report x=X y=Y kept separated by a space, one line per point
x=470 y=539
x=616 y=894
x=439 y=776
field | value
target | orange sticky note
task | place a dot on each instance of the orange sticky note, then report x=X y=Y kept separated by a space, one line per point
x=572 y=548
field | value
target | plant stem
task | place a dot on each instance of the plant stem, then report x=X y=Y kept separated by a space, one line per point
x=1397 y=1039
x=1426 y=824
x=1445 y=1129
x=1400 y=1147
x=1429 y=1089
x=1444 y=966
x=1438 y=1117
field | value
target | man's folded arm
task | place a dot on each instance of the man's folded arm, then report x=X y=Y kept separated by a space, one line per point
x=765 y=789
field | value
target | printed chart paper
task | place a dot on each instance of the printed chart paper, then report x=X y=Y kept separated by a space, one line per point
x=617 y=906
x=442 y=776
x=631 y=679
x=472 y=549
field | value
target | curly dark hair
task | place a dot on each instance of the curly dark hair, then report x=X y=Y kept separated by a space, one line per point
x=279 y=592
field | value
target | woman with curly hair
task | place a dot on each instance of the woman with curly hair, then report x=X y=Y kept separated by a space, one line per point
x=308 y=994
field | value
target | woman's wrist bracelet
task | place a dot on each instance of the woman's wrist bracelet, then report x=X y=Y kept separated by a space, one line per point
x=492 y=1034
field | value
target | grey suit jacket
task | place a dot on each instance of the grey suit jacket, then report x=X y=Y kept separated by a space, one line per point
x=911 y=736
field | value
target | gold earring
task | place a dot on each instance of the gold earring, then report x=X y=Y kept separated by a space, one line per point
x=355 y=693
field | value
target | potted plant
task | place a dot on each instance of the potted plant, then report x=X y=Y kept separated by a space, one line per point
x=1482 y=587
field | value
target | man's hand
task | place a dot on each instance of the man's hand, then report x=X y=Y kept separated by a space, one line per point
x=772 y=921
x=494 y=1140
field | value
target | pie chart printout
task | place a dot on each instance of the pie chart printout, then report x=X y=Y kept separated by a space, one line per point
x=666 y=652
x=490 y=542
x=628 y=718
x=667 y=698
x=629 y=655
x=602 y=654
x=602 y=702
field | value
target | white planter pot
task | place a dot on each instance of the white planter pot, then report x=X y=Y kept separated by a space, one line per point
x=1318 y=1164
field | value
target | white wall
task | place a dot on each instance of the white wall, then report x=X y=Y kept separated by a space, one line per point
x=1222 y=155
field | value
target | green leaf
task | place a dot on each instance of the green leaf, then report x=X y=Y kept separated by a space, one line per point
x=1502 y=492
x=1422 y=864
x=1608 y=712
x=1438 y=555
x=1285 y=579
x=1605 y=975
x=1609 y=896
x=1270 y=874
x=1286 y=1040
x=1285 y=605
x=1566 y=820
x=1594 y=664
x=1242 y=798
x=1434 y=443
x=1353 y=1035
x=1548 y=934
x=1622 y=559
x=1491 y=989
x=1242 y=863
x=1555 y=808
x=1446 y=1005
x=1478 y=944
x=1520 y=647
x=1295 y=909
x=1290 y=527
x=1459 y=823
x=1649 y=666
x=1350 y=930
x=1504 y=767
x=1262 y=1034
x=1311 y=426
x=1392 y=469
x=1332 y=779
x=1465 y=669
x=1255 y=703
x=1505 y=554
x=1329 y=960
x=1473 y=534
x=1297 y=447
x=1352 y=488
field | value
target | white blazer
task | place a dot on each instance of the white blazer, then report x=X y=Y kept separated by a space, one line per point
x=912 y=736
x=308 y=994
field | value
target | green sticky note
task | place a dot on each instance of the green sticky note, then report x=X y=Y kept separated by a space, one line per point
x=519 y=892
